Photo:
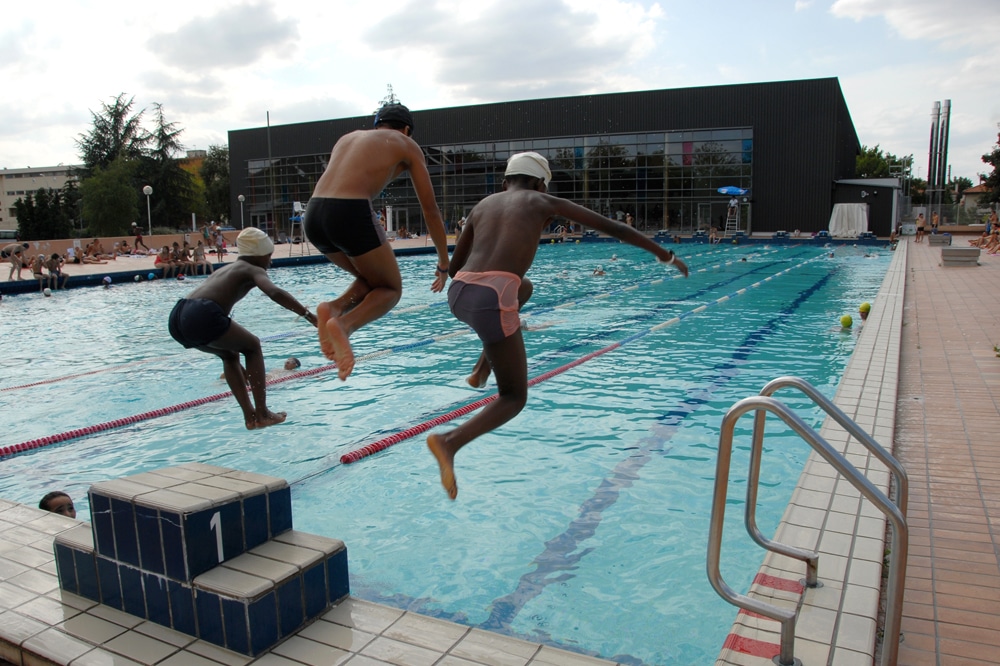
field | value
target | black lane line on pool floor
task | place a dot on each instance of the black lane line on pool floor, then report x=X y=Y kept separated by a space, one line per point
x=560 y=555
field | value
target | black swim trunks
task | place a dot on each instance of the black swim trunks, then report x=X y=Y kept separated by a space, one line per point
x=197 y=321
x=343 y=225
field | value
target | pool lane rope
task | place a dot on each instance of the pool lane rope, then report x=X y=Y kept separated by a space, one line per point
x=6 y=451
x=29 y=445
x=395 y=438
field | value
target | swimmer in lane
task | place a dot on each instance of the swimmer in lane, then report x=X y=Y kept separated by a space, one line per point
x=488 y=288
x=201 y=320
x=342 y=224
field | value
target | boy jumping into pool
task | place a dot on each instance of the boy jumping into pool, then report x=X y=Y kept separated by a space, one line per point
x=488 y=288
x=341 y=223
x=202 y=321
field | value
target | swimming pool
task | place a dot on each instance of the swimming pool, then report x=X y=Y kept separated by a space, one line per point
x=582 y=523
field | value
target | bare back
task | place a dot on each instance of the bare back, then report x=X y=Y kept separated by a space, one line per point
x=502 y=232
x=363 y=162
x=228 y=285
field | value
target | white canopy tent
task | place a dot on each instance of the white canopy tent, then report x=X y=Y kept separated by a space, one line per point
x=848 y=220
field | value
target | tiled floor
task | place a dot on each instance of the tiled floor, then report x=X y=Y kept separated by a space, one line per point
x=948 y=437
x=41 y=624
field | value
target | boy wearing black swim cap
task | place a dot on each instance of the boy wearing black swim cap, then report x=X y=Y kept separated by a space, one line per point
x=342 y=224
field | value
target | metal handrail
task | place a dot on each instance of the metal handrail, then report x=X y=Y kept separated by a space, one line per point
x=892 y=512
x=853 y=429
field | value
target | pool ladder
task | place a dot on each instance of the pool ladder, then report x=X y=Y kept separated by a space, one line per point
x=894 y=512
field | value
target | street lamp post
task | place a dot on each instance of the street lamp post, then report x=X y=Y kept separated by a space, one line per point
x=149 y=211
x=242 y=199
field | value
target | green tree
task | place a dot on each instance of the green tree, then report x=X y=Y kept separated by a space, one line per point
x=215 y=175
x=72 y=204
x=116 y=132
x=871 y=163
x=173 y=190
x=992 y=181
x=110 y=198
x=43 y=215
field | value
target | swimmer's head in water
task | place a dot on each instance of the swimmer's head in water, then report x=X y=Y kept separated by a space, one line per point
x=292 y=363
x=846 y=321
x=393 y=115
x=58 y=502
x=252 y=242
x=865 y=307
x=529 y=164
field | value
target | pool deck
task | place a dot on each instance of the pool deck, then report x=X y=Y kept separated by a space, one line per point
x=924 y=378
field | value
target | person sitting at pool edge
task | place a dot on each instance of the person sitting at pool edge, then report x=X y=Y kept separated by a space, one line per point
x=488 y=288
x=58 y=502
x=201 y=320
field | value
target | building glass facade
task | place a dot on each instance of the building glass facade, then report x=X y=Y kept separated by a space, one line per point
x=665 y=180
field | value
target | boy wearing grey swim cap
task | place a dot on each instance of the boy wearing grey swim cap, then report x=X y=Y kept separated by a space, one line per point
x=488 y=288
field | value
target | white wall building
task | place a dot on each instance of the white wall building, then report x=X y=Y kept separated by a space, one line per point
x=18 y=183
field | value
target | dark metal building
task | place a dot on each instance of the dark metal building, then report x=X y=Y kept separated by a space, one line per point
x=659 y=155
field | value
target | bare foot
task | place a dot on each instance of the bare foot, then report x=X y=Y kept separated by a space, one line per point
x=323 y=314
x=251 y=423
x=343 y=355
x=476 y=381
x=270 y=418
x=445 y=460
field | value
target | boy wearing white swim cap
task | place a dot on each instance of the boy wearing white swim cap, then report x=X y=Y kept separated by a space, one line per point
x=488 y=288
x=201 y=320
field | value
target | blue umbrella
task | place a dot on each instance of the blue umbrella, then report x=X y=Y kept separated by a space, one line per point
x=732 y=190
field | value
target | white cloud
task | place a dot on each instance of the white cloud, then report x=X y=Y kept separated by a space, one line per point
x=237 y=36
x=218 y=65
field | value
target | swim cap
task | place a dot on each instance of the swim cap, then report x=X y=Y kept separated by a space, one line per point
x=846 y=321
x=47 y=291
x=107 y=279
x=394 y=112
x=529 y=164
x=865 y=307
x=151 y=276
x=138 y=278
x=252 y=242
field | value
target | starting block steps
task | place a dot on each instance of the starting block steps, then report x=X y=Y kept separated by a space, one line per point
x=205 y=550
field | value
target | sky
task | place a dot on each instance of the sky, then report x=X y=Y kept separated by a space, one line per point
x=220 y=65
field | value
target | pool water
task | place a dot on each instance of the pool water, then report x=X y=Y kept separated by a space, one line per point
x=582 y=523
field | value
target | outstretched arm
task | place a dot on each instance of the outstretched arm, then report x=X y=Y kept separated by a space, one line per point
x=282 y=297
x=428 y=206
x=621 y=231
